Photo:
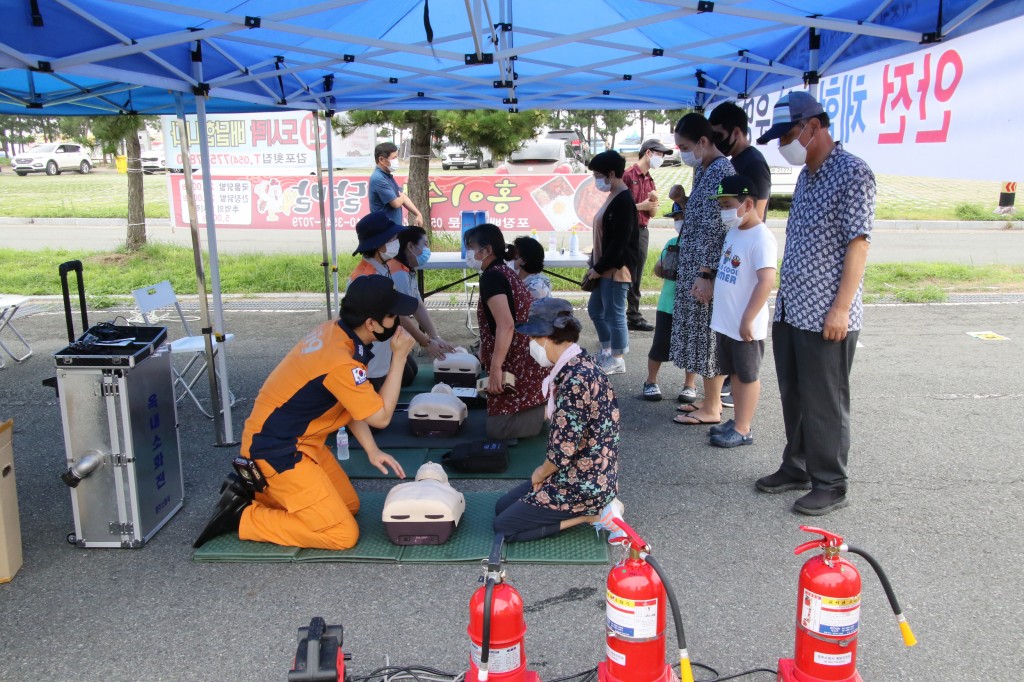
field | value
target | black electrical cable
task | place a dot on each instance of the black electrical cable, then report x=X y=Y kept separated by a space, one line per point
x=485 y=644
x=718 y=676
x=677 y=616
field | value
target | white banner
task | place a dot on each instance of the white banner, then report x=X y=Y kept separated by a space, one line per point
x=953 y=110
x=267 y=144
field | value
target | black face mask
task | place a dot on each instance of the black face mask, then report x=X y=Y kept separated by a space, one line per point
x=388 y=331
x=725 y=144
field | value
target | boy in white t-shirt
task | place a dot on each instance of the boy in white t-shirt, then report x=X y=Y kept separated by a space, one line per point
x=746 y=275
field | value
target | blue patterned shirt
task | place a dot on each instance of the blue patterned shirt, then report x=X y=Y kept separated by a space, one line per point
x=831 y=207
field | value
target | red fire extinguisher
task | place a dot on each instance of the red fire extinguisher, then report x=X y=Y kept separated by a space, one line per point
x=635 y=605
x=497 y=628
x=828 y=613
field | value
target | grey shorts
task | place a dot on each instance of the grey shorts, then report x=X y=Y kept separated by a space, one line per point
x=739 y=358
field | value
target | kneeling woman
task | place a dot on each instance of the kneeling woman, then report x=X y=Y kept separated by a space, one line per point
x=578 y=482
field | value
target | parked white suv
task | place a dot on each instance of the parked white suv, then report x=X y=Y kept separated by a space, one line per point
x=457 y=157
x=52 y=158
x=153 y=162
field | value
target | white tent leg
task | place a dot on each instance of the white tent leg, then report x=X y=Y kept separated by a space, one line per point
x=223 y=409
x=334 y=224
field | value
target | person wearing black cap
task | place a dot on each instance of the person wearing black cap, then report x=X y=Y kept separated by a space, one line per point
x=641 y=185
x=732 y=129
x=616 y=256
x=578 y=481
x=379 y=245
x=818 y=308
x=319 y=387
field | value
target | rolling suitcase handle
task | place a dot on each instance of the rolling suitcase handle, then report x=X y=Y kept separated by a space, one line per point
x=76 y=266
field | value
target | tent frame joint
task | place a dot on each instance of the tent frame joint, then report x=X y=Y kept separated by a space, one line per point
x=705 y=6
x=931 y=38
x=253 y=22
x=472 y=59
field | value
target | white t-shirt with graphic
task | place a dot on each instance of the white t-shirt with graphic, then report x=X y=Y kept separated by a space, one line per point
x=744 y=252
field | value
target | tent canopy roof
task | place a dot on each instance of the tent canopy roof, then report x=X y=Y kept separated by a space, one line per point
x=67 y=57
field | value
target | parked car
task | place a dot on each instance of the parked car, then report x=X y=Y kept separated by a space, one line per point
x=153 y=162
x=629 y=147
x=577 y=141
x=457 y=157
x=52 y=158
x=541 y=157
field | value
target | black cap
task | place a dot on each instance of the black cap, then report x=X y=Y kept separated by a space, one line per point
x=655 y=144
x=375 y=296
x=375 y=230
x=734 y=186
x=676 y=209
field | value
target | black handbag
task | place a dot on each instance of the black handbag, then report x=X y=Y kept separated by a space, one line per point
x=589 y=283
x=477 y=457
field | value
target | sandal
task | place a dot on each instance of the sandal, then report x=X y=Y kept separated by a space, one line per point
x=694 y=421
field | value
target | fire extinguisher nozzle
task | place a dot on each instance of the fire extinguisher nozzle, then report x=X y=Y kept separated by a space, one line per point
x=908 y=635
x=685 y=670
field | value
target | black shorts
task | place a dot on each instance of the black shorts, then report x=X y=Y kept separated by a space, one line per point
x=662 y=337
x=739 y=358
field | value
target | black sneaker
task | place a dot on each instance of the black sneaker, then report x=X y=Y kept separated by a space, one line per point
x=727 y=386
x=652 y=392
x=727 y=401
x=226 y=516
x=640 y=325
x=821 y=501
x=781 y=482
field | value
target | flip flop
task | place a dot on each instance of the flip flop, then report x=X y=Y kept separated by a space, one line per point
x=697 y=421
x=687 y=408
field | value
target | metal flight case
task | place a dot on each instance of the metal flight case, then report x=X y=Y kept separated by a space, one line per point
x=120 y=436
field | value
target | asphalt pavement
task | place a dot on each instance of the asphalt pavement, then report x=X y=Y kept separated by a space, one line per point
x=936 y=483
x=972 y=243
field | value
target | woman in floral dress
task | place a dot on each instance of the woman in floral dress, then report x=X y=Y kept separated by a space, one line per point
x=578 y=481
x=700 y=248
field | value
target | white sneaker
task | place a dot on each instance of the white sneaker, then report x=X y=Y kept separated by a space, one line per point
x=612 y=365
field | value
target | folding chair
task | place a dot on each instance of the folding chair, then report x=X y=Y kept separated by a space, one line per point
x=161 y=295
x=8 y=309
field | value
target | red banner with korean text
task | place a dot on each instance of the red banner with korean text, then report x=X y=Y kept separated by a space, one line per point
x=523 y=203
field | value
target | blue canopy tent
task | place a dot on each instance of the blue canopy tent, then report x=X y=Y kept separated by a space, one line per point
x=89 y=57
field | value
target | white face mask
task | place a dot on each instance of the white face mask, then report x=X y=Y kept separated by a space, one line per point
x=679 y=226
x=539 y=354
x=424 y=256
x=731 y=218
x=794 y=152
x=689 y=158
x=390 y=250
x=393 y=165
x=657 y=160
x=471 y=261
x=603 y=184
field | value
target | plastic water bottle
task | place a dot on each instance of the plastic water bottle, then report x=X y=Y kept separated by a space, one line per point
x=342 y=450
x=574 y=244
x=552 y=247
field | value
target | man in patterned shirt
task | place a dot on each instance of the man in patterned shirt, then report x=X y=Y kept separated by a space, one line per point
x=818 y=309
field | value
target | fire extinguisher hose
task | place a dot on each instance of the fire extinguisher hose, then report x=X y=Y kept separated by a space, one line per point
x=685 y=670
x=908 y=634
x=485 y=643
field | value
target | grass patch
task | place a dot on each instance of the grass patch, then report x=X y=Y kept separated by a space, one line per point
x=100 y=194
x=34 y=273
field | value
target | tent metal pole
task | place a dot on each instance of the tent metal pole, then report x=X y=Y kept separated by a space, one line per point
x=220 y=404
x=334 y=223
x=185 y=145
x=964 y=16
x=849 y=39
x=812 y=77
x=326 y=263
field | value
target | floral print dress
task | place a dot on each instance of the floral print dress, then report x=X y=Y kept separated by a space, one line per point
x=583 y=442
x=700 y=245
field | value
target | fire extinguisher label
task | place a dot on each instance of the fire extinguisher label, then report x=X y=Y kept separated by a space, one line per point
x=632 y=618
x=502 y=660
x=833 y=659
x=614 y=656
x=830 y=616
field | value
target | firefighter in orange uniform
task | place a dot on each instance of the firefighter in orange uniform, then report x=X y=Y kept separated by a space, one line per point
x=320 y=386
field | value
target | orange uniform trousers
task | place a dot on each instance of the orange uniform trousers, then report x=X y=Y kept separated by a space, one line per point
x=311 y=505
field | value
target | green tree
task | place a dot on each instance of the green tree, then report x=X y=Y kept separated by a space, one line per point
x=111 y=132
x=76 y=128
x=501 y=132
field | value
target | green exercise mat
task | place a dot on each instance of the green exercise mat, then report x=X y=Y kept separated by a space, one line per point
x=358 y=466
x=579 y=545
x=470 y=542
x=227 y=548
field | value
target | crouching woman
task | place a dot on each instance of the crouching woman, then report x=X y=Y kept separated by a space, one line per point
x=578 y=481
